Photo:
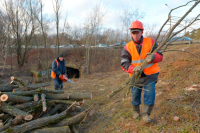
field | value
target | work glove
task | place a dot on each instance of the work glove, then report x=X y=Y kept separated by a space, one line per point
x=136 y=69
x=150 y=57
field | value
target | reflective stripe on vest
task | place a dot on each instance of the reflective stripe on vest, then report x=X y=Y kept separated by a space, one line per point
x=137 y=59
x=53 y=74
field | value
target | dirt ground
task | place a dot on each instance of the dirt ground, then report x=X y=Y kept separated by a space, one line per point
x=178 y=72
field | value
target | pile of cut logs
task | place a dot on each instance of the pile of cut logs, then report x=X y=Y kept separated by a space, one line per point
x=34 y=109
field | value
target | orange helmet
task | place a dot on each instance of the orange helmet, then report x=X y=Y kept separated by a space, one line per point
x=136 y=25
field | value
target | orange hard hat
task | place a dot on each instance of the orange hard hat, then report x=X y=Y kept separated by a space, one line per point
x=136 y=25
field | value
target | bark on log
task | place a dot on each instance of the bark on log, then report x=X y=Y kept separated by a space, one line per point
x=33 y=87
x=9 y=87
x=1 y=115
x=19 y=99
x=26 y=105
x=80 y=95
x=44 y=105
x=12 y=123
x=15 y=111
x=63 y=129
x=36 y=97
x=57 y=96
x=13 y=82
x=53 y=110
x=1 y=123
x=39 y=122
x=36 y=91
x=1 y=82
x=73 y=120
x=64 y=102
x=4 y=97
x=74 y=130
x=18 y=80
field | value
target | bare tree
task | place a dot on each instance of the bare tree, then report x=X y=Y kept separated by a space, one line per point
x=92 y=25
x=20 y=26
x=127 y=16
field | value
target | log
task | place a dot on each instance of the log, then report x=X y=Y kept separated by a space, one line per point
x=36 y=91
x=27 y=105
x=7 y=87
x=13 y=82
x=1 y=123
x=36 y=97
x=44 y=105
x=1 y=82
x=35 y=86
x=1 y=115
x=4 y=97
x=72 y=120
x=64 y=102
x=18 y=80
x=12 y=123
x=74 y=130
x=15 y=111
x=63 y=129
x=19 y=99
x=80 y=95
x=39 y=122
x=57 y=96
x=53 y=110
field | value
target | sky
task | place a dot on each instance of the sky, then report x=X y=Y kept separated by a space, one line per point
x=156 y=11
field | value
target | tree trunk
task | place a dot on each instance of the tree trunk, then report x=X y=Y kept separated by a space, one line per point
x=15 y=111
x=57 y=96
x=8 y=87
x=39 y=122
x=73 y=120
x=63 y=129
x=53 y=110
x=4 y=97
x=44 y=105
x=64 y=102
x=18 y=80
x=12 y=123
x=77 y=95
x=26 y=105
x=35 y=97
x=35 y=86
x=13 y=82
x=19 y=99
x=36 y=91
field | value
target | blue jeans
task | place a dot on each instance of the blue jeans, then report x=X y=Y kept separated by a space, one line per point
x=58 y=84
x=149 y=94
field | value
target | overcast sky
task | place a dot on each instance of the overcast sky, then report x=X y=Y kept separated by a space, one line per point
x=156 y=10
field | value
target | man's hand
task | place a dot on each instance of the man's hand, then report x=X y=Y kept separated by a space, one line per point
x=60 y=75
x=136 y=69
x=150 y=57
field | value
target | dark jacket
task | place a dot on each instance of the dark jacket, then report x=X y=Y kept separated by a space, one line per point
x=61 y=67
x=127 y=67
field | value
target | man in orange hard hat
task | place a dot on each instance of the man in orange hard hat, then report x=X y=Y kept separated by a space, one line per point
x=133 y=54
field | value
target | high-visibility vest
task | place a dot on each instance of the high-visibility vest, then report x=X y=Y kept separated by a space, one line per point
x=53 y=74
x=137 y=59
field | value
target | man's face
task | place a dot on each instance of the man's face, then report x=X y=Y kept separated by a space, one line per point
x=136 y=35
x=61 y=58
